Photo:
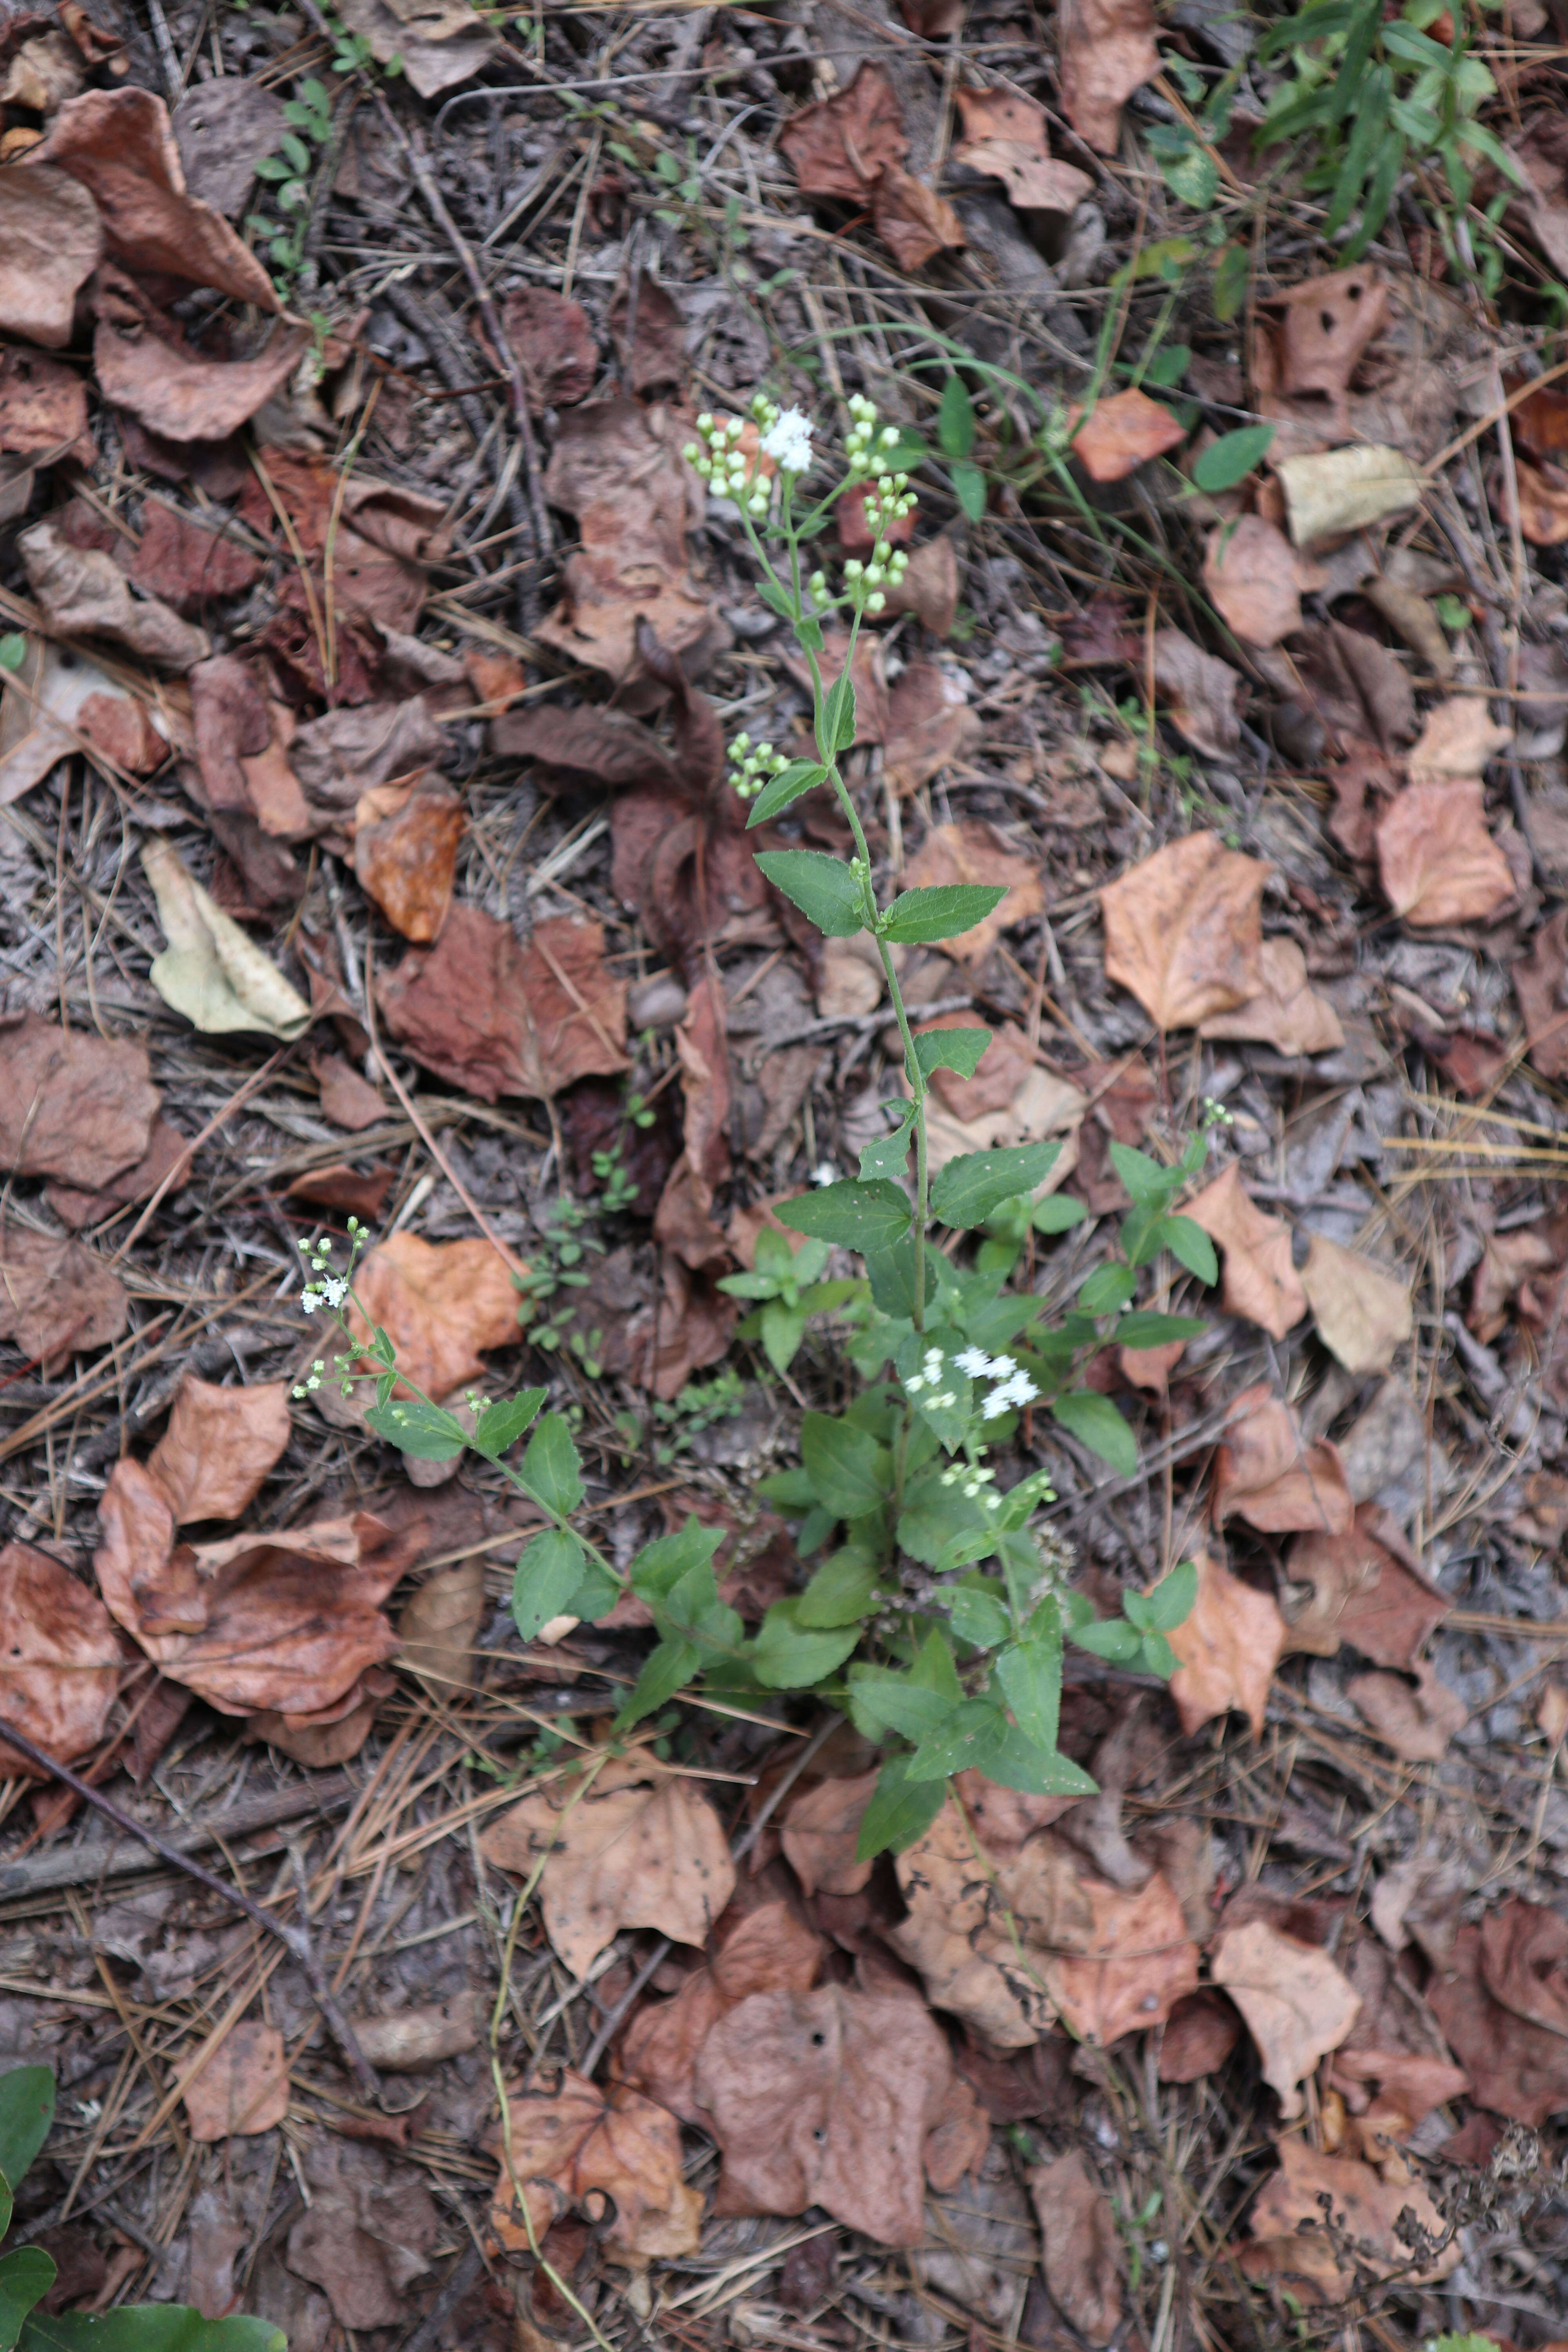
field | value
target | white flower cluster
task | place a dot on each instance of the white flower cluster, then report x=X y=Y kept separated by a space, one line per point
x=863 y=437
x=786 y=435
x=324 y=1288
x=929 y=1377
x=1014 y=1387
x=728 y=470
x=751 y=765
x=974 y=1479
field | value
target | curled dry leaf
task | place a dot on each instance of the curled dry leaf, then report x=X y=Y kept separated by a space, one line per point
x=219 y=1446
x=576 y=2146
x=1203 y=2032
x=913 y=221
x=1297 y=2004
x=367 y=2235
x=769 y=1950
x=211 y=971
x=1183 y=930
x=440 y=1625
x=50 y=243
x=411 y=2039
x=243 y=2088
x=1005 y=137
x=1458 y=739
x=1541 y=984
x=637 y=1846
x=56 y=1297
x=1524 y=1959
x=85 y=594
x=436 y=43
x=1324 y=2223
x=406 y=838
x=1517 y=2066
x=1105 y=50
x=1362 y=1313
x=1226 y=1649
x=1255 y=578
x=1257 y=1273
x=119 y=145
x=1202 y=693
x=72 y=1104
x=973 y=852
x=1122 y=433
x=347 y=1098
x=1358 y=1589
x=819 y=1834
x=62 y=1663
x=1311 y=341
x=1416 y=1721
x=1264 y=1475
x=1287 y=1014
x=177 y=393
x=1438 y=862
x=440 y=1303
x=495 y=1018
x=551 y=340
x=1335 y=491
x=1080 y=2248
x=43 y=407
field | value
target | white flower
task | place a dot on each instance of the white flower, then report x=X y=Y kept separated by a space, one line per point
x=1001 y=1368
x=974 y=1361
x=789 y=441
x=308 y=1301
x=335 y=1290
x=993 y=1407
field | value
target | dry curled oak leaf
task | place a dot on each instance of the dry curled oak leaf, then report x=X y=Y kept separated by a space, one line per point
x=496 y=1018
x=243 y=2088
x=1298 y=2005
x=1322 y=2223
x=1357 y=1588
x=1518 y=2067
x=1437 y=860
x=973 y=852
x=56 y=1297
x=72 y=1104
x=50 y=243
x=406 y=838
x=59 y=1659
x=1255 y=578
x=576 y=2146
x=1287 y=1014
x=1105 y=50
x=1363 y=1314
x=1122 y=433
x=819 y=1833
x=219 y=1446
x=442 y=1304
x=1080 y=2248
x=1258 y=1274
x=637 y=1846
x=837 y=147
x=1005 y=137
x=1226 y=1649
x=1264 y=1475
x=120 y=146
x=367 y=2234
x=769 y=1950
x=1183 y=930
x=85 y=594
x=1417 y=1722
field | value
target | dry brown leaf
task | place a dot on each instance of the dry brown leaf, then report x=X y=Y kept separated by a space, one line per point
x=636 y=1847
x=1362 y=1313
x=1183 y=930
x=1255 y=578
x=43 y=409
x=1416 y=1723
x=972 y=852
x=406 y=838
x=164 y=1164
x=1297 y=2004
x=1203 y=2032
x=119 y=145
x=222 y=128
x=551 y=340
x=411 y=2039
x=768 y=1950
x=436 y=43
x=1257 y=1275
x=1517 y=2066
x=244 y=2086
x=72 y=1104
x=57 y=1297
x=347 y=1098
x=1542 y=504
x=50 y=244
x=1538 y=983
x=913 y=221
x=1226 y=1649
x=929 y=726
x=185 y=564
x=181 y=395
x=62 y=1659
x=367 y=2235
x=1081 y=2250
x=839 y=147
x=441 y=1303
x=440 y=1625
x=219 y=1446
x=1524 y=1960
x=1458 y=739
x=1122 y=433
x=1005 y=137
x=1203 y=693
x=1325 y=2254
x=1438 y=862
x=1105 y=50
x=929 y=588
x=85 y=594
x=1358 y=1589
x=1288 y=1013
x=495 y=1018
x=819 y=1834
x=1265 y=1475
x=576 y=2147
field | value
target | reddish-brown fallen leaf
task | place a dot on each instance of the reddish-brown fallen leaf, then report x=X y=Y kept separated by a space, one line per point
x=61 y=1659
x=1005 y=137
x=406 y=838
x=1183 y=930
x=495 y=1018
x=1362 y=1313
x=1524 y=1960
x=222 y=128
x=913 y=221
x=58 y=1298
x=1255 y=578
x=339 y=1186
x=244 y=2086
x=929 y=587
x=1538 y=984
x=441 y=1303
x=1355 y=1588
x=1417 y=1722
x=576 y=2147
x=220 y=1443
x=1203 y=694
x=1203 y=2030
x=1265 y=1475
x=930 y=725
x=1081 y=2250
x=1288 y=1013
x=347 y=1098
x=72 y=1104
x=186 y=565
x=1297 y=2004
x=1324 y=325
x=1258 y=1278
x=1122 y=433
x=1438 y=862
x=164 y=1164
x=768 y=1950
x=85 y=594
x=1105 y=50
x=1322 y=2251
x=973 y=852
x=550 y=338
x=440 y=1625
x=639 y=1846
x=1516 y=2067
x=50 y=243
x=367 y=2234
x=1227 y=1649
x=119 y=145
x=837 y=147
x=43 y=406
x=820 y=1832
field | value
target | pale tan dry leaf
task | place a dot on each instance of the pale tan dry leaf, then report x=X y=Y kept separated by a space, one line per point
x=1288 y=1013
x=442 y=1303
x=1298 y=2005
x=50 y=244
x=85 y=594
x=1202 y=693
x=347 y=1098
x=57 y=1298
x=244 y=2086
x=211 y=971
x=1122 y=433
x=1040 y=1105
x=1005 y=137
x=72 y=1104
x=1438 y=861
x=440 y=1625
x=1325 y=2255
x=971 y=851
x=576 y=2147
x=1265 y=1475
x=1227 y=1649
x=639 y=1846
x=437 y=43
x=1081 y=2250
x=61 y=1662
x=1257 y=1273
x=1254 y=578
x=769 y=1950
x=219 y=1446
x=411 y=2039
x=1416 y=1723
x=1363 y=1314
x=1105 y=50
x=1183 y=930
x=1335 y=491
x=1457 y=740
x=818 y=1833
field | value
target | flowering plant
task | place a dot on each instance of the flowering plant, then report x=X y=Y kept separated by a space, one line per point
x=937 y=1619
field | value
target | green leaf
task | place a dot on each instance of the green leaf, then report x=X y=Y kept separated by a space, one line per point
x=548 y=1574
x=1057 y=1213
x=1020 y=1502
x=867 y=1217
x=842 y=1591
x=26 y=2111
x=969 y=489
x=900 y=1811
x=1144 y=1329
x=849 y=1472
x=945 y=912
x=1190 y=1244
x=1173 y=1598
x=787 y=1490
x=296 y=150
x=667 y=1669
x=969 y=1188
x=800 y=776
x=502 y=1423
x=888 y=1157
x=148 y=2327
x=551 y=1469
x=1157 y=1655
x=660 y=1565
x=790 y=1655
x=908 y=453
x=783 y=1330
x=1031 y=1674
x=951 y=1049
x=1112 y=1638
x=880 y=1702
x=1147 y=1184
x=822 y=887
x=955 y=419
x=839 y=720
x=595 y=1596
x=1229 y=294
x=1017 y=1763
x=1193 y=177
x=979 y=1618
x=971 y=1735
x=423 y=1430
x=12 y=649
x=1095 y=1422
x=777 y=600
x=1107 y=1290
x=1232 y=458
x=26 y=2275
